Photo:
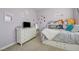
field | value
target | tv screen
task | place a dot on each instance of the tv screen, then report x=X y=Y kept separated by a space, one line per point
x=26 y=24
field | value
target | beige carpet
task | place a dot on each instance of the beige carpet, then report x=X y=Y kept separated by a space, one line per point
x=32 y=45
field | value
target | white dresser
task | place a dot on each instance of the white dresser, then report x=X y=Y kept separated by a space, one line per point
x=25 y=34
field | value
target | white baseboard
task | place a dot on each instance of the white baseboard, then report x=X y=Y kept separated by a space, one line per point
x=7 y=46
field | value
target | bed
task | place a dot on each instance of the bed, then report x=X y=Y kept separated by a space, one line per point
x=60 y=38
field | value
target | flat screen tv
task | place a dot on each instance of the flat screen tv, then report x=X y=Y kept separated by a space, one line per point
x=26 y=24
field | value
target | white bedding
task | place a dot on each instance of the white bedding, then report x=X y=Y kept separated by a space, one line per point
x=61 y=36
x=50 y=34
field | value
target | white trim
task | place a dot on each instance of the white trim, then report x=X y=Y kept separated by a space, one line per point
x=7 y=46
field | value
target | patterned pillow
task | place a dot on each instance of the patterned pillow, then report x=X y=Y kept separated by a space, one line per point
x=52 y=26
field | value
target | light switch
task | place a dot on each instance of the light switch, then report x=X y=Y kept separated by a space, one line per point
x=8 y=18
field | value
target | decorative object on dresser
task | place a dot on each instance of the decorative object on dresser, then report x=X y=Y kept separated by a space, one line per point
x=25 y=34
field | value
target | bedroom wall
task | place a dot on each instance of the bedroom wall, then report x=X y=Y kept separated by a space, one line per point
x=47 y=15
x=76 y=15
x=7 y=29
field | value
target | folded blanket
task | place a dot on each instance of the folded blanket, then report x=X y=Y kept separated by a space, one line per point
x=50 y=33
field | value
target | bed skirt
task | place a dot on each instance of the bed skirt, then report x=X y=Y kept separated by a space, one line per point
x=65 y=46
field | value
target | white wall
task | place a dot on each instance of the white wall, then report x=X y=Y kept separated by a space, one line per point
x=7 y=29
x=53 y=14
x=76 y=15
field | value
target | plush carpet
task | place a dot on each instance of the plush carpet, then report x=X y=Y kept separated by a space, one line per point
x=33 y=45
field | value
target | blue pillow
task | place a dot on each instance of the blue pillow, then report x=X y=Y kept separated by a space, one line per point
x=69 y=27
